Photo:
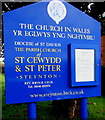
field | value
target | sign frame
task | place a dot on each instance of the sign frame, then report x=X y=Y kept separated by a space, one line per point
x=73 y=47
x=42 y=64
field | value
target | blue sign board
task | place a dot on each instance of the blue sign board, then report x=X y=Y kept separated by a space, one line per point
x=52 y=52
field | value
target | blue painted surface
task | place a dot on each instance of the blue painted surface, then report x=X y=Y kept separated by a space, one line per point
x=84 y=109
x=32 y=111
x=96 y=65
x=53 y=85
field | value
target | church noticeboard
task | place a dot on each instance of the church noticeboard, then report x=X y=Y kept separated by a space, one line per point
x=52 y=52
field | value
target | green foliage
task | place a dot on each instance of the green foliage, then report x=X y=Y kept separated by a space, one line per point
x=97 y=108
